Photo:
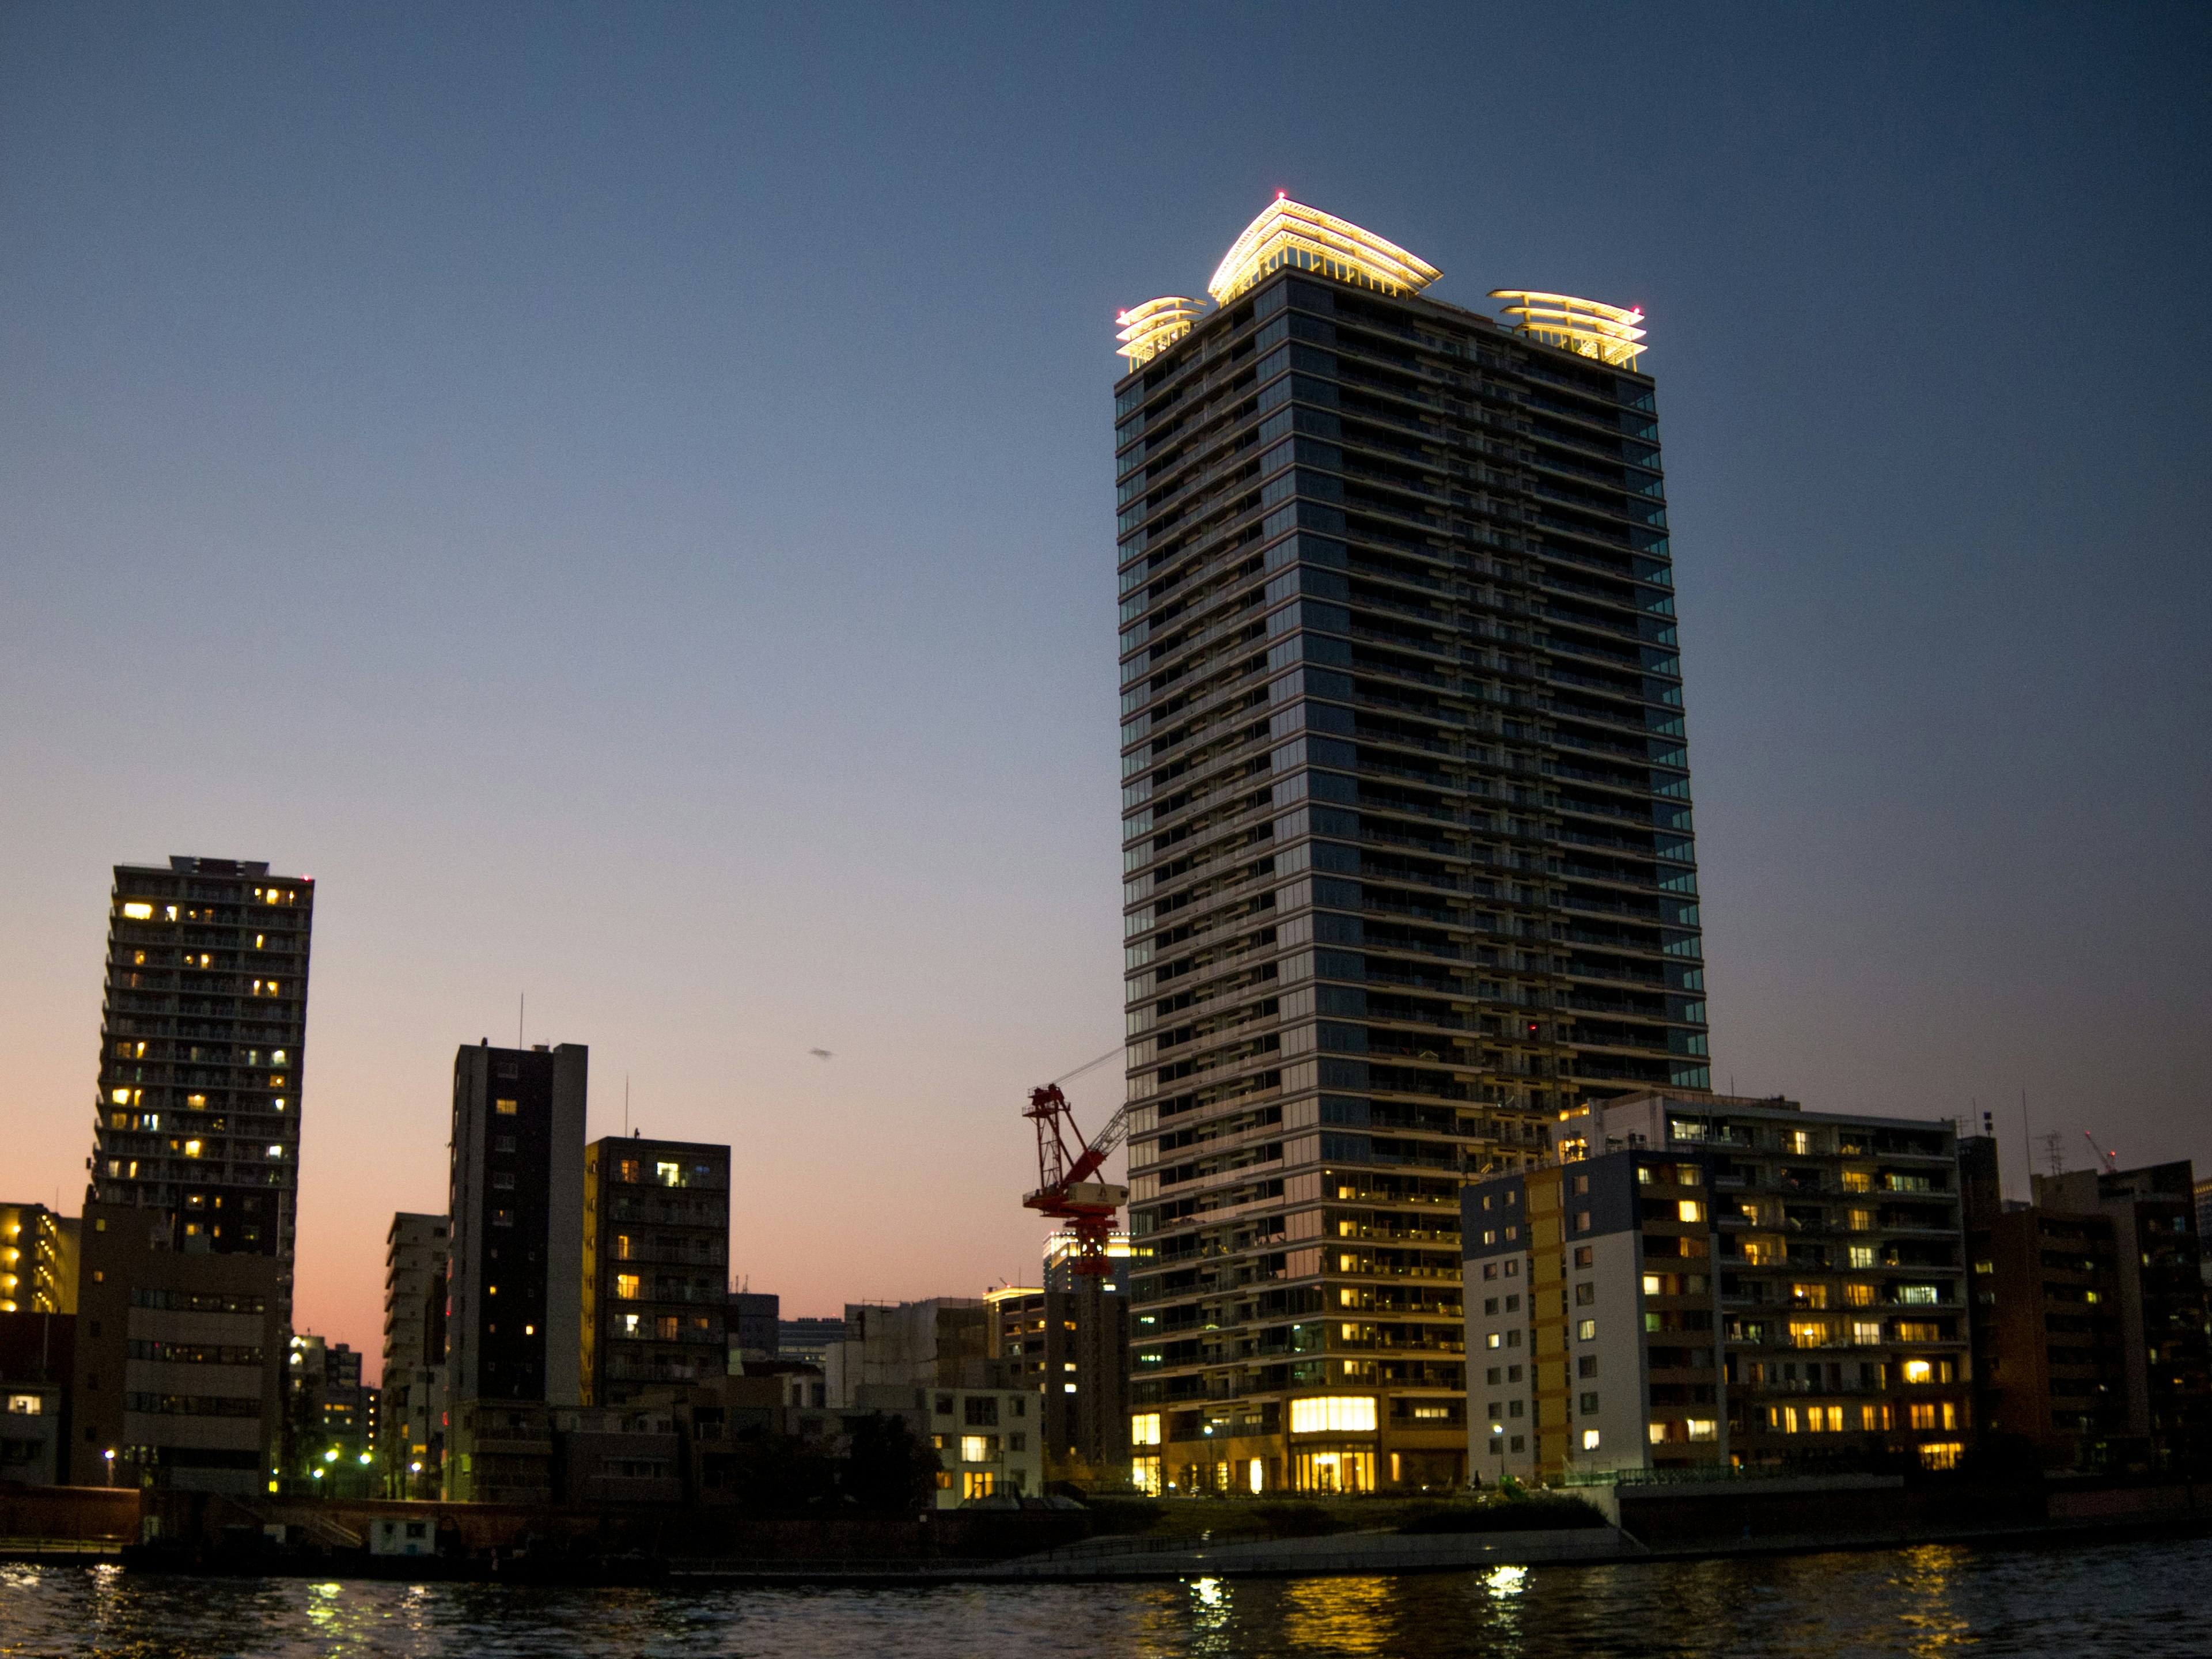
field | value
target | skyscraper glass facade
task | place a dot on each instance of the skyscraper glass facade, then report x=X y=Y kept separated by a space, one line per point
x=1407 y=840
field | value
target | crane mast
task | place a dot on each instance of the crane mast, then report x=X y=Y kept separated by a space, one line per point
x=1066 y=1167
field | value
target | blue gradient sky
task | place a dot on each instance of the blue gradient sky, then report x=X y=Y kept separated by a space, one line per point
x=622 y=497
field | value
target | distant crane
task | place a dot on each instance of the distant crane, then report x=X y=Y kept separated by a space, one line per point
x=1091 y=1422
x=2112 y=1159
x=1065 y=1165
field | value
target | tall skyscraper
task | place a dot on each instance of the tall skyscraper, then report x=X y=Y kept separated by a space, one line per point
x=514 y=1273
x=185 y=1286
x=1406 y=823
x=656 y=1265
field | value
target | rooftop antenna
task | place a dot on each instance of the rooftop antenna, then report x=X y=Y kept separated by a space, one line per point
x=2027 y=1146
x=2050 y=1142
x=521 y=1000
x=625 y=1105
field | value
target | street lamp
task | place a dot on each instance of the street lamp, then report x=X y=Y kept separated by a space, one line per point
x=110 y=1456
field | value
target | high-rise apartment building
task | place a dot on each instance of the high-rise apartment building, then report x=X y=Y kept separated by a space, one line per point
x=656 y=1295
x=184 y=1274
x=515 y=1271
x=1406 y=827
x=411 y=1438
x=203 y=1043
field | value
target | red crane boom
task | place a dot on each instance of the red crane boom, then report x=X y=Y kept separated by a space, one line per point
x=1065 y=1165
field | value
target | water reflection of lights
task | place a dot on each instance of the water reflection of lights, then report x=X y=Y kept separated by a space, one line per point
x=1503 y=1582
x=1210 y=1592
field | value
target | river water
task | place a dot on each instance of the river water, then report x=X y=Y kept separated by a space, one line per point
x=2082 y=1602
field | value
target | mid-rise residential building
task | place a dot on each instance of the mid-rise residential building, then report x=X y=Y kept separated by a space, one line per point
x=412 y=1434
x=1593 y=1312
x=932 y=1365
x=38 y=1259
x=946 y=1341
x=194 y=1177
x=180 y=1358
x=2156 y=1256
x=655 y=1269
x=1072 y=1346
x=515 y=1268
x=1714 y=1279
x=2044 y=1320
x=1406 y=818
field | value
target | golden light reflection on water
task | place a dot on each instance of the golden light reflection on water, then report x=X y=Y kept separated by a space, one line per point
x=1340 y=1615
x=1937 y=1625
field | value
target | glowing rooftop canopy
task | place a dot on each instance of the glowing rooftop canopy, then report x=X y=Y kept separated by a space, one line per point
x=1584 y=327
x=1292 y=234
x=1151 y=328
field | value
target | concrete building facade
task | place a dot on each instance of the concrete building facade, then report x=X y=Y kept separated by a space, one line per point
x=2164 y=1346
x=411 y=1436
x=656 y=1239
x=1785 y=1289
x=515 y=1270
x=1406 y=819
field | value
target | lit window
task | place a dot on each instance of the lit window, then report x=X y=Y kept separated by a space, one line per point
x=1941 y=1455
x=1333 y=1414
x=1858 y=1296
x=276 y=1149
x=530 y=1330
x=191 y=1149
x=1145 y=1429
x=1866 y=1332
x=668 y=1174
x=630 y=1287
x=1918 y=1370
x=1493 y=1340
x=504 y=1108
x=1657 y=1434
x=1808 y=1333
x=1586 y=1331
x=25 y=1405
x=1703 y=1428
x=1918 y=1295
x=277 y=1057
x=1590 y=1440
x=122 y=1097
x=139 y=912
x=1651 y=1284
x=1690 y=1209
x=196 y=1101
x=977 y=1447
x=1861 y=1255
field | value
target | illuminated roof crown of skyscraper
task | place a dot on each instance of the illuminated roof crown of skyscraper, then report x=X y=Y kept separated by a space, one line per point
x=1291 y=233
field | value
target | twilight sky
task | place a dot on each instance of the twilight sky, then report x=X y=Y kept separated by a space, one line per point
x=624 y=497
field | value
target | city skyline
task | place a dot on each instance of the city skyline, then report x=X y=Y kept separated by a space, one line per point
x=705 y=642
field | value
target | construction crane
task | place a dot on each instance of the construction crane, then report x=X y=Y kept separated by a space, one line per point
x=2112 y=1159
x=1067 y=1165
